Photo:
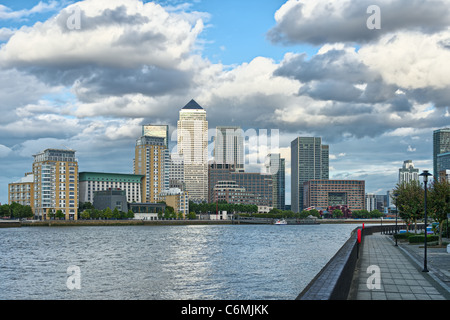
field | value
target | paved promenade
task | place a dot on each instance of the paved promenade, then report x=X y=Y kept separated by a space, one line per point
x=397 y=272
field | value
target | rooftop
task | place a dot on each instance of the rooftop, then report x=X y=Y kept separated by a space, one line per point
x=192 y=105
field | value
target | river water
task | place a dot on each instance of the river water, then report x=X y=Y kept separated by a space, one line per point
x=214 y=262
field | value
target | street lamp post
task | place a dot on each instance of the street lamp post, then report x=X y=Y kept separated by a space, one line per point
x=425 y=174
x=396 y=214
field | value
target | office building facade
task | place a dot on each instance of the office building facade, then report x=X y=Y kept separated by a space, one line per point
x=256 y=185
x=443 y=161
x=371 y=202
x=151 y=160
x=229 y=146
x=157 y=130
x=407 y=173
x=332 y=193
x=90 y=182
x=441 y=144
x=192 y=146
x=177 y=199
x=112 y=199
x=309 y=161
x=275 y=166
x=55 y=173
x=22 y=191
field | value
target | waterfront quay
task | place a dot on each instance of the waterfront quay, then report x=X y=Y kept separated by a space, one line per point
x=378 y=268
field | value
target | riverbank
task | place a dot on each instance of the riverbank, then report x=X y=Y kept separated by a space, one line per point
x=74 y=223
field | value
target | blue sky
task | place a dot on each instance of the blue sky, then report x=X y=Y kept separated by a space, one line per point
x=305 y=68
x=237 y=31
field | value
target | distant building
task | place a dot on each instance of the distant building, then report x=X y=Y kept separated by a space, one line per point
x=177 y=199
x=152 y=161
x=147 y=211
x=330 y=193
x=231 y=192
x=22 y=191
x=55 y=173
x=89 y=182
x=309 y=161
x=443 y=161
x=444 y=175
x=408 y=173
x=111 y=198
x=176 y=172
x=371 y=202
x=256 y=185
x=381 y=202
x=441 y=144
x=390 y=201
x=157 y=130
x=229 y=146
x=275 y=166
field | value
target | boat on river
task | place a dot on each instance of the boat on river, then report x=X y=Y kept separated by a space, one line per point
x=280 y=222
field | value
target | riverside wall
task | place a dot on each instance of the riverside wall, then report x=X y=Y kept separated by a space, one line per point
x=333 y=282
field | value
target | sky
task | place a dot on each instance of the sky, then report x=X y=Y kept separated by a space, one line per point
x=87 y=75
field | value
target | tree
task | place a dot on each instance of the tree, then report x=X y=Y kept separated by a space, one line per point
x=169 y=212
x=192 y=215
x=337 y=213
x=116 y=214
x=85 y=214
x=314 y=213
x=304 y=214
x=27 y=212
x=50 y=213
x=130 y=214
x=5 y=211
x=438 y=203
x=375 y=214
x=59 y=214
x=409 y=200
x=107 y=213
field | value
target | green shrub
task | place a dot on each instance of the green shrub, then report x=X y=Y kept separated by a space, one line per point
x=404 y=235
x=421 y=238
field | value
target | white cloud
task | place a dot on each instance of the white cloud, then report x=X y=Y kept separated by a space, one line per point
x=112 y=33
x=411 y=60
x=321 y=21
x=8 y=13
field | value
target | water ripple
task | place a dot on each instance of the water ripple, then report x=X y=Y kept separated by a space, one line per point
x=180 y=262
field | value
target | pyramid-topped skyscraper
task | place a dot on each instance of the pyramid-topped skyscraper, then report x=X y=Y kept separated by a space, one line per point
x=192 y=145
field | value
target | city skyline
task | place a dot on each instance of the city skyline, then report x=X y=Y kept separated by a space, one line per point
x=94 y=96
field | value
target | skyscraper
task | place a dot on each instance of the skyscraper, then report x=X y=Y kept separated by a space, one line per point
x=55 y=174
x=441 y=144
x=229 y=146
x=151 y=161
x=408 y=173
x=309 y=160
x=192 y=145
x=275 y=166
x=157 y=130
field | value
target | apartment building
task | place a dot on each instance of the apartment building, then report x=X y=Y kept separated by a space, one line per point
x=55 y=173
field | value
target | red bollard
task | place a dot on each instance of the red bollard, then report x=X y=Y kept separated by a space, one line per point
x=359 y=235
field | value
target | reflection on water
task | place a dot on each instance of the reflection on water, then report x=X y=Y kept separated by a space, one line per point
x=232 y=262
